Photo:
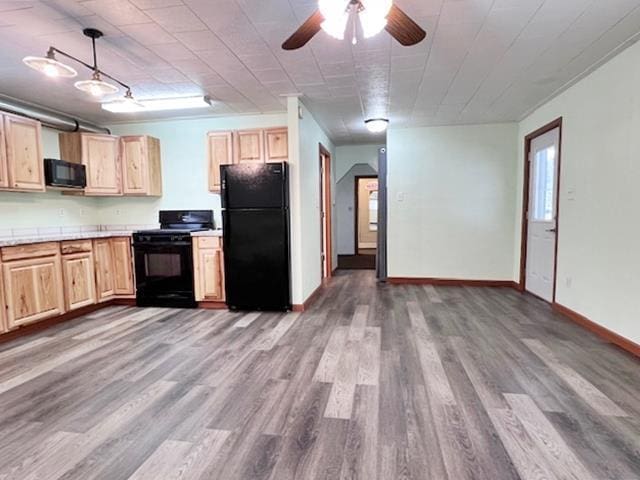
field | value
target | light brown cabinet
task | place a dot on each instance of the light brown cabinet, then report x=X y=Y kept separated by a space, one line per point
x=33 y=285
x=103 y=254
x=276 y=145
x=4 y=174
x=123 y=282
x=79 y=280
x=141 y=165
x=21 y=161
x=249 y=146
x=220 y=149
x=269 y=145
x=208 y=269
x=100 y=155
x=3 y=305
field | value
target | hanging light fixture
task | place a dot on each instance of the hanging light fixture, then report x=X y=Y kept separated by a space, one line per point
x=50 y=66
x=96 y=86
x=377 y=125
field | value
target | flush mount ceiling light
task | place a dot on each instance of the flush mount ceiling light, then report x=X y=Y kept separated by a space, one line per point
x=96 y=86
x=333 y=16
x=376 y=125
x=156 y=105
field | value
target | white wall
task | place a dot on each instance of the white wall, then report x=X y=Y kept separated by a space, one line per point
x=50 y=209
x=452 y=201
x=304 y=155
x=184 y=166
x=349 y=155
x=599 y=226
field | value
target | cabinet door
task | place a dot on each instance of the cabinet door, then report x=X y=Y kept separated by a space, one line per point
x=3 y=306
x=25 y=164
x=249 y=146
x=4 y=175
x=122 y=266
x=220 y=149
x=211 y=277
x=276 y=145
x=135 y=167
x=33 y=290
x=105 y=286
x=100 y=155
x=79 y=280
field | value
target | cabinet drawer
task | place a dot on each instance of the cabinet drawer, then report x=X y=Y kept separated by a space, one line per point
x=209 y=242
x=76 y=246
x=32 y=250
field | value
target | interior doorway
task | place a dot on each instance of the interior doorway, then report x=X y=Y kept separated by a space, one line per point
x=365 y=224
x=541 y=211
x=326 y=253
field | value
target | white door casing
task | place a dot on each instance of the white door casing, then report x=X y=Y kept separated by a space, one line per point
x=542 y=214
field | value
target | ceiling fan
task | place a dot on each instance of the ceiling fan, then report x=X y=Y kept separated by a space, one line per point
x=333 y=16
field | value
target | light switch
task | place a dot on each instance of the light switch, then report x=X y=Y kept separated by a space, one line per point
x=571 y=194
x=400 y=196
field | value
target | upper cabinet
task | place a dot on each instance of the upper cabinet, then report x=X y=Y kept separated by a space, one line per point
x=276 y=142
x=245 y=146
x=141 y=166
x=249 y=146
x=220 y=149
x=116 y=165
x=99 y=153
x=21 y=165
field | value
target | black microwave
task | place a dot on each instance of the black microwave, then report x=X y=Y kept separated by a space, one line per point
x=62 y=174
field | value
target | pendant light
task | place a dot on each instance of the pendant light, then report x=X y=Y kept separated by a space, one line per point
x=96 y=86
x=50 y=66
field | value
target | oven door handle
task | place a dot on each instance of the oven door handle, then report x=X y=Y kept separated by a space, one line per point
x=161 y=244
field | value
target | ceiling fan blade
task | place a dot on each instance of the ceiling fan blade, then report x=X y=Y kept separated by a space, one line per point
x=403 y=29
x=305 y=33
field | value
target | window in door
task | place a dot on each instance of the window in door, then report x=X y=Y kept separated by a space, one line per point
x=544 y=184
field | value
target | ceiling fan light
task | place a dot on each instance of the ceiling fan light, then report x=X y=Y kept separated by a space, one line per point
x=96 y=86
x=335 y=17
x=336 y=26
x=49 y=66
x=371 y=24
x=377 y=125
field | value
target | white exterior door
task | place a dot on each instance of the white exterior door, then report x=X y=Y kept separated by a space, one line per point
x=542 y=215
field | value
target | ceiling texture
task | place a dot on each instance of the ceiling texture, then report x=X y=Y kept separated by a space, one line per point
x=483 y=60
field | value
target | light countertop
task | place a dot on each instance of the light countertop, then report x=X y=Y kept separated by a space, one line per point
x=59 y=237
x=207 y=233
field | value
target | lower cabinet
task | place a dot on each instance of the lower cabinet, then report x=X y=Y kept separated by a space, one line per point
x=3 y=306
x=123 y=283
x=114 y=269
x=208 y=269
x=105 y=285
x=33 y=290
x=79 y=280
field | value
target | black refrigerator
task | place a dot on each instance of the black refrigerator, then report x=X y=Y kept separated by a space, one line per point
x=255 y=217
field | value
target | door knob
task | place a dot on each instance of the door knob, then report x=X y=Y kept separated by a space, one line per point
x=552 y=230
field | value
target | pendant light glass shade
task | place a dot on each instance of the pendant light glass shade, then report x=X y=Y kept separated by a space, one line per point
x=50 y=66
x=126 y=105
x=96 y=86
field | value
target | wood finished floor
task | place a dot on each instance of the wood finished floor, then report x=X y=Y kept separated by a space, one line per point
x=374 y=382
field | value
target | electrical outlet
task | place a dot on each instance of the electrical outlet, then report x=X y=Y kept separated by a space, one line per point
x=400 y=196
x=62 y=212
x=83 y=212
x=118 y=212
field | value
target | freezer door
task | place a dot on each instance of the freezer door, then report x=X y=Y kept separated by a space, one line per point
x=248 y=186
x=256 y=253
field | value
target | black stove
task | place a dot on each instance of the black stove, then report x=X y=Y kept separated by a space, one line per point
x=164 y=259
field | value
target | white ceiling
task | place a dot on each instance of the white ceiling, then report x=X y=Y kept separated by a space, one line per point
x=483 y=60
